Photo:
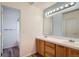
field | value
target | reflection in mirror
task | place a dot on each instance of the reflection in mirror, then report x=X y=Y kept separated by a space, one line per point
x=48 y=26
x=71 y=24
x=62 y=23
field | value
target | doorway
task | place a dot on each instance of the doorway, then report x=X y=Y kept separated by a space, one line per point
x=10 y=31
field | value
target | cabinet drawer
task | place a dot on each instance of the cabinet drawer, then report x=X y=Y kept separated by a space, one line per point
x=50 y=44
x=50 y=50
x=49 y=55
x=40 y=47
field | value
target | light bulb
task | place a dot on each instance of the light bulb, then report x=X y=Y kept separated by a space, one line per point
x=66 y=5
x=62 y=7
x=50 y=11
x=46 y=14
x=57 y=9
x=54 y=10
x=72 y=3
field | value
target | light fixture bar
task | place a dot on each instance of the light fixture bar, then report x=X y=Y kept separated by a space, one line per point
x=49 y=13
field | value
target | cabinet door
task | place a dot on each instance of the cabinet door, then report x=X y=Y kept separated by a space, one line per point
x=61 y=51
x=48 y=55
x=37 y=46
x=49 y=49
x=73 y=53
x=40 y=47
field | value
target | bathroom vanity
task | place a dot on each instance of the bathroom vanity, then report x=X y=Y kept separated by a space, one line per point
x=62 y=30
x=56 y=47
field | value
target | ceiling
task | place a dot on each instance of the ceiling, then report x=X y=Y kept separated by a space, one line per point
x=42 y=5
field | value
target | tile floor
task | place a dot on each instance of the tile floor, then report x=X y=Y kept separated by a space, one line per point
x=11 y=52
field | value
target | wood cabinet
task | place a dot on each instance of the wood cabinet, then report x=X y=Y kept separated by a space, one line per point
x=40 y=47
x=73 y=53
x=48 y=49
x=61 y=51
x=48 y=55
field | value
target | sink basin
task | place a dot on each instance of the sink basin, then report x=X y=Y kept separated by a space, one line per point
x=61 y=40
x=72 y=42
x=45 y=36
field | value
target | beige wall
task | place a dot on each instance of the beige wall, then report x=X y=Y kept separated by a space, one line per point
x=31 y=26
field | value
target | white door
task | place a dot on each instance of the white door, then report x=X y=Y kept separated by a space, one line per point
x=71 y=24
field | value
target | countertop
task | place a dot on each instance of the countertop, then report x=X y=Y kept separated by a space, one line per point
x=63 y=41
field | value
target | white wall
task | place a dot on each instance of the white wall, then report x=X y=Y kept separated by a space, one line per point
x=31 y=26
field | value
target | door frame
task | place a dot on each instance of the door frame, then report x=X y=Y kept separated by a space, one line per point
x=19 y=26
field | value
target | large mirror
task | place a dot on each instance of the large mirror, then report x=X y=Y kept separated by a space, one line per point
x=71 y=24
x=64 y=22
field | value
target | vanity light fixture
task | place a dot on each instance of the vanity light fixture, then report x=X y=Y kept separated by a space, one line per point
x=60 y=8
